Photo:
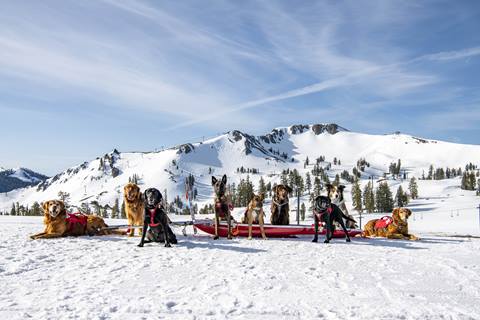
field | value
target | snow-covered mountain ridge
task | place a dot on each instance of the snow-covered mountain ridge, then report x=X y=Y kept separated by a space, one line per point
x=102 y=179
x=11 y=179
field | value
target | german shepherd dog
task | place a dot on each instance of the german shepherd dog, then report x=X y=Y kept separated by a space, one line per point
x=255 y=214
x=222 y=206
x=326 y=211
x=156 y=220
x=279 y=208
x=335 y=193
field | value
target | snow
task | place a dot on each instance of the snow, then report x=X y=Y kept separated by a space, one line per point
x=22 y=175
x=111 y=278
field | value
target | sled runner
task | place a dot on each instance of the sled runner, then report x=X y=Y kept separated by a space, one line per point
x=271 y=231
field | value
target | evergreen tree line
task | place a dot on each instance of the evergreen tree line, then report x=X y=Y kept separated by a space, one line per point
x=469 y=181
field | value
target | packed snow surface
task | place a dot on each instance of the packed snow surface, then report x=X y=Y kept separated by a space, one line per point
x=111 y=278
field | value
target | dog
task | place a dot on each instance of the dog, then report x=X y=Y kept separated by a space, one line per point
x=222 y=205
x=155 y=225
x=335 y=193
x=394 y=227
x=58 y=223
x=255 y=214
x=280 y=208
x=326 y=211
x=134 y=207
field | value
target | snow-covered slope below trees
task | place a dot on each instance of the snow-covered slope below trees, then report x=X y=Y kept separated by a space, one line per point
x=102 y=179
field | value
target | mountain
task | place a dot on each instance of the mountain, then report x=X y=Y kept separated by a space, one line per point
x=11 y=179
x=102 y=179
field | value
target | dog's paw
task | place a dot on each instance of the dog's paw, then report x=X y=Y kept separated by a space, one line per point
x=326 y=241
x=265 y=238
x=140 y=245
x=315 y=240
x=216 y=238
x=229 y=238
x=168 y=245
x=249 y=238
x=348 y=240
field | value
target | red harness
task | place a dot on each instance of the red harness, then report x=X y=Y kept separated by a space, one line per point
x=152 y=218
x=383 y=222
x=219 y=206
x=76 y=218
x=320 y=214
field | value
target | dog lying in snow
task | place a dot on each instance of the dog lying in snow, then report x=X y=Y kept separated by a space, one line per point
x=155 y=225
x=59 y=223
x=255 y=214
x=335 y=193
x=394 y=227
x=326 y=211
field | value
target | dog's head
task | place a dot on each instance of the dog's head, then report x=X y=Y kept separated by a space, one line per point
x=281 y=191
x=54 y=208
x=257 y=200
x=335 y=193
x=131 y=192
x=401 y=214
x=219 y=186
x=153 y=198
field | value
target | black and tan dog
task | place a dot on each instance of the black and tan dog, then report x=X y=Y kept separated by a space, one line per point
x=255 y=214
x=222 y=205
x=280 y=209
x=335 y=193
x=155 y=225
x=326 y=211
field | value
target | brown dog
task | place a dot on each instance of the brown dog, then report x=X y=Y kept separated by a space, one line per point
x=57 y=224
x=395 y=227
x=279 y=208
x=134 y=207
x=255 y=214
x=222 y=205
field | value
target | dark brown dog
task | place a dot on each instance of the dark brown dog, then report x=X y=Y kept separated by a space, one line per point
x=280 y=209
x=397 y=229
x=58 y=225
x=222 y=205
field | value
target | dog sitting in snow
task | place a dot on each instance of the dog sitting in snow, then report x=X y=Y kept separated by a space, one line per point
x=327 y=212
x=134 y=207
x=222 y=205
x=335 y=193
x=59 y=223
x=280 y=208
x=155 y=225
x=254 y=214
x=394 y=227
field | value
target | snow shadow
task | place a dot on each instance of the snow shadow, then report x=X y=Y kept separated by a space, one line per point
x=382 y=242
x=208 y=243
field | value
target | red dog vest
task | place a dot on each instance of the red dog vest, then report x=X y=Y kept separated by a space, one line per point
x=383 y=222
x=76 y=218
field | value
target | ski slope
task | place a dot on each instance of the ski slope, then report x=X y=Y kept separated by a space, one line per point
x=111 y=278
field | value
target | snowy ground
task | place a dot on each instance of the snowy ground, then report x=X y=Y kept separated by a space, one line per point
x=111 y=278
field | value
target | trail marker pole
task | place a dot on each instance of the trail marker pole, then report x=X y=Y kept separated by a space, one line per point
x=298 y=206
x=478 y=215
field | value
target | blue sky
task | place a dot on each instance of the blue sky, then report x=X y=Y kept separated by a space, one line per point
x=79 y=78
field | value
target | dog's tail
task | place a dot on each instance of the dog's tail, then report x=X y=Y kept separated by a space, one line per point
x=348 y=218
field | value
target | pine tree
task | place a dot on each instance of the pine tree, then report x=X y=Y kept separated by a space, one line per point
x=308 y=182
x=369 y=198
x=401 y=197
x=317 y=186
x=115 y=209
x=357 y=196
x=13 y=211
x=262 y=188
x=303 y=210
x=36 y=209
x=430 y=173
x=383 y=198
x=413 y=188
x=123 y=214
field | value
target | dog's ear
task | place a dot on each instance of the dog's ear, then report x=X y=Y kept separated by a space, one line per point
x=262 y=196
x=395 y=213
x=409 y=212
x=214 y=180
x=329 y=187
x=274 y=188
x=341 y=187
x=45 y=206
x=224 y=179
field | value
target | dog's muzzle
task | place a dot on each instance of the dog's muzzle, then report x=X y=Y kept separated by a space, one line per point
x=53 y=214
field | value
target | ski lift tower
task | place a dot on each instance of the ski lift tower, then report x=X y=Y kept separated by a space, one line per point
x=190 y=194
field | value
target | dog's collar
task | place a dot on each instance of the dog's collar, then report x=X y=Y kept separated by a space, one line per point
x=279 y=204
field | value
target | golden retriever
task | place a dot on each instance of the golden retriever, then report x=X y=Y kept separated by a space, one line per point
x=397 y=229
x=57 y=224
x=134 y=207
